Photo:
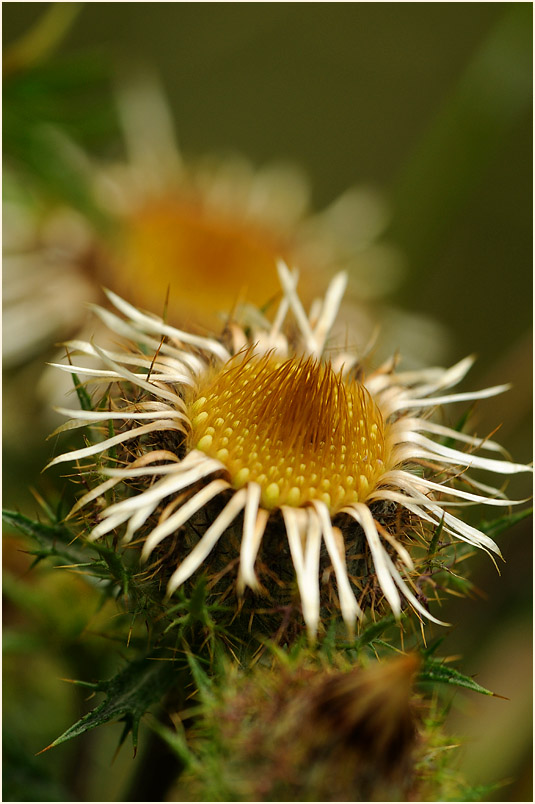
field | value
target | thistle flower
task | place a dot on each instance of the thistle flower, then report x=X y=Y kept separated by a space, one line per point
x=303 y=733
x=264 y=418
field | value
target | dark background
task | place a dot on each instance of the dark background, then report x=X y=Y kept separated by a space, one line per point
x=431 y=103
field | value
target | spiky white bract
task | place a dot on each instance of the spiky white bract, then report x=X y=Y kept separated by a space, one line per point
x=271 y=424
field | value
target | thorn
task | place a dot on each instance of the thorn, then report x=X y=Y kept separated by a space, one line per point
x=45 y=749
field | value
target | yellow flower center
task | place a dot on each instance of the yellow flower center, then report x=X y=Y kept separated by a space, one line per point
x=296 y=428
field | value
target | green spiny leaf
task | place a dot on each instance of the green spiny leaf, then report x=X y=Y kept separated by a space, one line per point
x=194 y=610
x=58 y=543
x=435 y=671
x=54 y=540
x=433 y=646
x=375 y=630
x=115 y=565
x=129 y=695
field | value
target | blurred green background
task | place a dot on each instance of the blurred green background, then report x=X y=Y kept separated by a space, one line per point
x=431 y=103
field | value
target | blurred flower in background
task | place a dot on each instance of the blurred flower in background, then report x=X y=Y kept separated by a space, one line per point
x=47 y=284
x=213 y=228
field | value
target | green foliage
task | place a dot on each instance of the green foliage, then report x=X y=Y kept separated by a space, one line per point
x=181 y=661
x=83 y=397
x=59 y=544
x=461 y=140
x=53 y=108
x=196 y=612
x=129 y=695
x=503 y=523
x=56 y=542
x=375 y=630
x=436 y=672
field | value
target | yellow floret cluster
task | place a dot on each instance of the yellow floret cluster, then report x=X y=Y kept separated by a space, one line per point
x=295 y=427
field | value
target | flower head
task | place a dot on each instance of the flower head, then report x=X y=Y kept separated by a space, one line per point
x=301 y=733
x=263 y=419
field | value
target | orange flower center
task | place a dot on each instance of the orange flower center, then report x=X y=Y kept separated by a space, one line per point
x=197 y=253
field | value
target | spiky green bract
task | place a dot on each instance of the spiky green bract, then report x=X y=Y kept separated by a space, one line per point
x=303 y=729
x=83 y=397
x=185 y=647
x=203 y=658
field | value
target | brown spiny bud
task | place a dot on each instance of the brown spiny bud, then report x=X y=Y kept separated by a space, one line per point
x=309 y=734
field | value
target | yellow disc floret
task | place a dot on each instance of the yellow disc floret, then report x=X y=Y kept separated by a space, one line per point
x=295 y=427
